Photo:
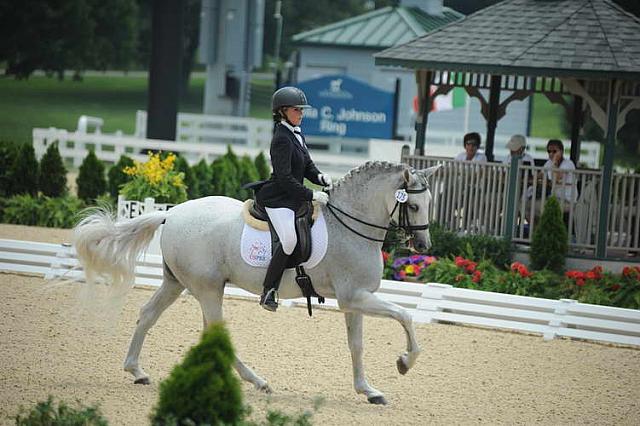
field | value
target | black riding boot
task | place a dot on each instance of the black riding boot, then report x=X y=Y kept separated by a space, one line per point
x=278 y=264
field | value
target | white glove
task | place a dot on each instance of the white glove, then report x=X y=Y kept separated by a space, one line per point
x=325 y=179
x=321 y=197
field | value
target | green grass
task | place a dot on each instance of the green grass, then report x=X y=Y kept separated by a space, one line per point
x=547 y=119
x=48 y=102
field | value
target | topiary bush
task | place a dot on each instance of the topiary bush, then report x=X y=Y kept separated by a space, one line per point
x=203 y=389
x=549 y=244
x=91 y=180
x=24 y=171
x=54 y=175
x=47 y=414
x=247 y=174
x=225 y=177
x=117 y=176
x=8 y=153
x=262 y=166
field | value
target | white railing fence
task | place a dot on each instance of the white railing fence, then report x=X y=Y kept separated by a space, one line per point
x=425 y=302
x=472 y=198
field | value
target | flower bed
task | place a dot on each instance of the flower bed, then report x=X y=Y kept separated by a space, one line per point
x=592 y=286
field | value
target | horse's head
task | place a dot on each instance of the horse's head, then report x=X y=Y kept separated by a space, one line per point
x=413 y=202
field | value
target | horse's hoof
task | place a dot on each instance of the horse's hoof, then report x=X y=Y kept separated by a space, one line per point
x=402 y=367
x=142 y=381
x=264 y=388
x=378 y=400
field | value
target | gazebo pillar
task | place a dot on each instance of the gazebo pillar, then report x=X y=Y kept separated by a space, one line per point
x=423 y=80
x=492 y=119
x=607 y=169
x=576 y=125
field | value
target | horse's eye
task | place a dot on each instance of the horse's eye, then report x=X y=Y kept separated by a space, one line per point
x=414 y=207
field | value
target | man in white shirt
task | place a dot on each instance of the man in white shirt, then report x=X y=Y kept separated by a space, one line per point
x=471 y=143
x=517 y=145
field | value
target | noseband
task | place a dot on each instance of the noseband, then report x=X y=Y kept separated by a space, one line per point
x=403 y=215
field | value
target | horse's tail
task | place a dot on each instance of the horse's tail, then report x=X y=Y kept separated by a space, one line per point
x=108 y=248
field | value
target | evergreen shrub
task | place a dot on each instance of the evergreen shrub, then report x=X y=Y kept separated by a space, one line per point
x=117 y=176
x=53 y=182
x=91 y=179
x=549 y=244
x=182 y=166
x=47 y=414
x=248 y=173
x=202 y=389
x=8 y=153
x=203 y=180
x=60 y=212
x=225 y=177
x=22 y=209
x=262 y=166
x=24 y=171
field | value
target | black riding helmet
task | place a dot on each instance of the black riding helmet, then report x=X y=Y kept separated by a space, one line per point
x=288 y=97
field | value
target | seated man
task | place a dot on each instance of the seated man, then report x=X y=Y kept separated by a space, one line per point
x=517 y=145
x=471 y=144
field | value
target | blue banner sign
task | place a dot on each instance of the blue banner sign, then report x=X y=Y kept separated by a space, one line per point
x=347 y=108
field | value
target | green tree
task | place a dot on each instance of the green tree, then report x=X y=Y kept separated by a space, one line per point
x=203 y=389
x=65 y=35
x=53 y=182
x=91 y=180
x=248 y=174
x=8 y=152
x=262 y=166
x=549 y=244
x=117 y=176
x=25 y=171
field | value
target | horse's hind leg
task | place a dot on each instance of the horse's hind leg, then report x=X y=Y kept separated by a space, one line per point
x=211 y=303
x=149 y=314
x=354 y=336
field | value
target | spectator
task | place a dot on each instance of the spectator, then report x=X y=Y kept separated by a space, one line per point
x=471 y=143
x=517 y=146
x=559 y=173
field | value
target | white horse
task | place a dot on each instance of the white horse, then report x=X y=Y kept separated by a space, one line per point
x=200 y=245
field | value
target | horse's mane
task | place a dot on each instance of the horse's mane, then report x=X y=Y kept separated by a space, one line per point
x=368 y=169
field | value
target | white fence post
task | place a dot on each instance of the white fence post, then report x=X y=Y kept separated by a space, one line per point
x=556 y=322
x=433 y=292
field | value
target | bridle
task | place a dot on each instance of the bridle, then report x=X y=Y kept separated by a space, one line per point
x=403 y=215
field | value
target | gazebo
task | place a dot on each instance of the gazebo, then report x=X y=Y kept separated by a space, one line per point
x=586 y=49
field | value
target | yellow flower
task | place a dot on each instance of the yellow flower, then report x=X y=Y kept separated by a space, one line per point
x=409 y=269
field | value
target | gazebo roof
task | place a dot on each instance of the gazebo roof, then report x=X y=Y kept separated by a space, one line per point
x=378 y=29
x=553 y=38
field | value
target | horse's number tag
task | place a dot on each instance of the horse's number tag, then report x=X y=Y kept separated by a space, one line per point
x=402 y=196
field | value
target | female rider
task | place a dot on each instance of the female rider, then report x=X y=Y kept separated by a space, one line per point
x=283 y=193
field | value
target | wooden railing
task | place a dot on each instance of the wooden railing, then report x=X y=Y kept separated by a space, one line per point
x=471 y=198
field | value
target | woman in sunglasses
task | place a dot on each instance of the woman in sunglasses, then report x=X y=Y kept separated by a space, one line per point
x=283 y=193
x=559 y=173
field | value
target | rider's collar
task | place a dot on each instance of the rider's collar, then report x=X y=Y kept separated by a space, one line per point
x=293 y=129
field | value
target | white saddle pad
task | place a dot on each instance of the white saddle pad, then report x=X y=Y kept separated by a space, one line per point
x=255 y=245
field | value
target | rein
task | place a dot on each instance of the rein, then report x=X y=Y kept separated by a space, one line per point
x=403 y=218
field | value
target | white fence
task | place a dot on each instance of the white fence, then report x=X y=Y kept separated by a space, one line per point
x=74 y=147
x=426 y=302
x=472 y=198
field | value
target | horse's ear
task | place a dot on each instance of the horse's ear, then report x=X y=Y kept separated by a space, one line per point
x=408 y=176
x=431 y=170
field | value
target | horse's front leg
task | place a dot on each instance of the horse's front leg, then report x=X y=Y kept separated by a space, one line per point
x=368 y=303
x=354 y=336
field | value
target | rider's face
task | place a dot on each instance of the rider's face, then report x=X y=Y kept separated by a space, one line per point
x=294 y=115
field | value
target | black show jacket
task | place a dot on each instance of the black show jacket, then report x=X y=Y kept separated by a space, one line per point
x=291 y=163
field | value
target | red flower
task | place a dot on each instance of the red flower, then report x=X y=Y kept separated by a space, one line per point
x=580 y=282
x=615 y=287
x=470 y=267
x=477 y=276
x=460 y=261
x=385 y=256
x=590 y=275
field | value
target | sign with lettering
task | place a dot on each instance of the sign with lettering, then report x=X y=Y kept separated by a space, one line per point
x=348 y=108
